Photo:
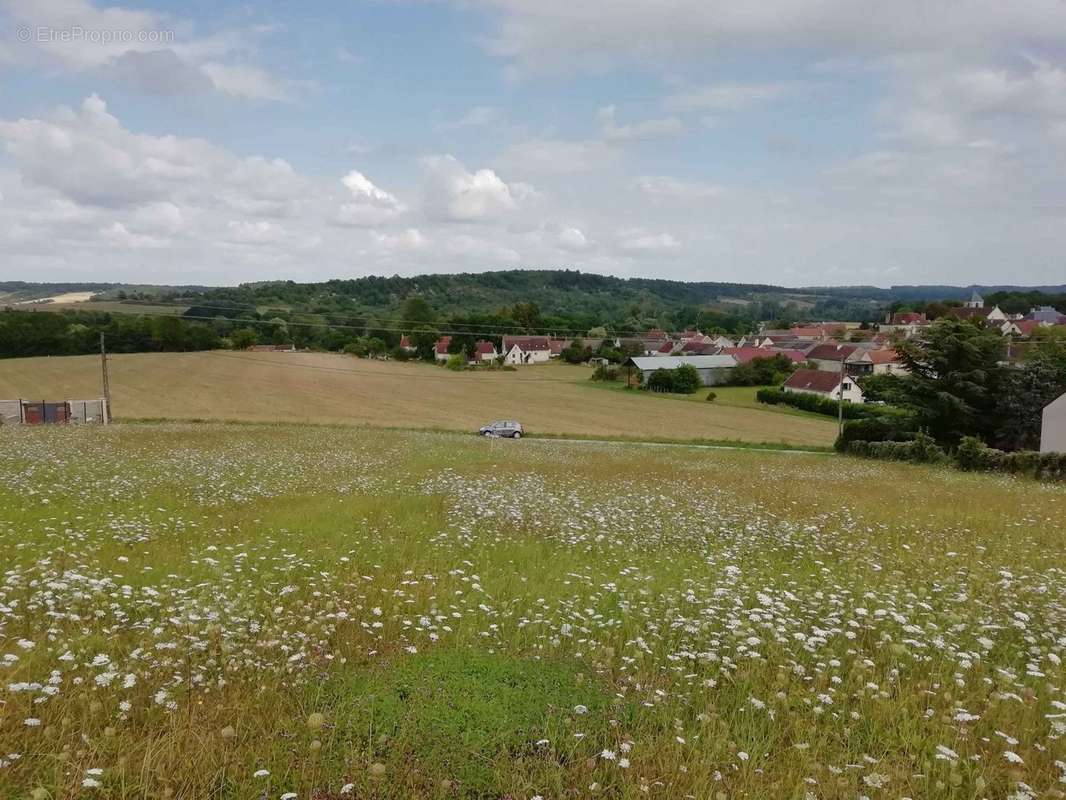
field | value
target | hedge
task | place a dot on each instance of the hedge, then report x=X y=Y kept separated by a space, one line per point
x=972 y=455
x=921 y=450
x=824 y=405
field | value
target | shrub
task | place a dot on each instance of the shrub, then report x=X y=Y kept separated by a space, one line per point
x=687 y=379
x=711 y=397
x=456 y=362
x=604 y=373
x=875 y=429
x=662 y=380
x=356 y=348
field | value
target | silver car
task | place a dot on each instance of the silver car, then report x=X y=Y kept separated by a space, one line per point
x=503 y=427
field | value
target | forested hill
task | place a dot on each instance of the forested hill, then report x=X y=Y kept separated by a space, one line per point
x=557 y=292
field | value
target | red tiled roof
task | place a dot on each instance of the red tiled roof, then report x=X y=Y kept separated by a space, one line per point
x=832 y=351
x=483 y=348
x=907 y=318
x=527 y=343
x=698 y=348
x=886 y=356
x=813 y=380
x=441 y=347
x=745 y=354
x=969 y=313
x=666 y=347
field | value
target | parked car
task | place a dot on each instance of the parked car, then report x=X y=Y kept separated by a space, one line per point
x=503 y=427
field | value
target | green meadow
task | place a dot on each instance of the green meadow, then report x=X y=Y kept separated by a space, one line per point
x=275 y=611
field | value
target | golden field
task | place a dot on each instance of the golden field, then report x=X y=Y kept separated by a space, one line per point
x=318 y=387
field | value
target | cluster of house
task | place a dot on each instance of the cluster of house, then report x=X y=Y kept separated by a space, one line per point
x=1021 y=326
x=830 y=366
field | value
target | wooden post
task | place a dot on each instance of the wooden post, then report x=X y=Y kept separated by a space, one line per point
x=107 y=383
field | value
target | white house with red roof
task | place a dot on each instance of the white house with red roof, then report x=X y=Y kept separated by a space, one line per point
x=440 y=349
x=824 y=383
x=526 y=349
x=485 y=351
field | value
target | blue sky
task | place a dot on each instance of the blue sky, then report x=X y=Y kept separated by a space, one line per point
x=791 y=142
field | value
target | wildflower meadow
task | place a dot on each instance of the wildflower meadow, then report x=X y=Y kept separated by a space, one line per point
x=267 y=611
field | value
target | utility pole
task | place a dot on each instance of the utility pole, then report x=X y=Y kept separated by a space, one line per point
x=107 y=383
x=840 y=398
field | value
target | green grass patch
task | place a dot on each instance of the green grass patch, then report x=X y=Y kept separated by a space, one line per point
x=489 y=722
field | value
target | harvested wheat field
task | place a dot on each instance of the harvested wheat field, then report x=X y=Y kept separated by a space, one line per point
x=317 y=387
x=316 y=613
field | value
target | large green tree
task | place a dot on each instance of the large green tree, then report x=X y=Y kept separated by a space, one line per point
x=1026 y=391
x=955 y=379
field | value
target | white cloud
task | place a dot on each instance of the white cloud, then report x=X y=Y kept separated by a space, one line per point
x=87 y=156
x=255 y=232
x=162 y=53
x=572 y=239
x=638 y=240
x=454 y=194
x=116 y=233
x=544 y=34
x=409 y=239
x=370 y=206
x=243 y=80
x=646 y=129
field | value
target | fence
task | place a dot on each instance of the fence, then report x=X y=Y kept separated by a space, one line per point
x=53 y=412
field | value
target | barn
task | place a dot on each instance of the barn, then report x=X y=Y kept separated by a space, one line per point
x=713 y=370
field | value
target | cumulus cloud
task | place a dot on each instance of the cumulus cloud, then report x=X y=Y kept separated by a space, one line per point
x=369 y=206
x=89 y=157
x=454 y=194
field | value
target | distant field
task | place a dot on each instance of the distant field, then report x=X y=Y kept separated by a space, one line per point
x=315 y=387
x=115 y=306
x=248 y=611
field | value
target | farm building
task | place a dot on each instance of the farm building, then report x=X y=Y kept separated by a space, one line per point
x=713 y=370
x=1053 y=427
x=824 y=383
x=46 y=412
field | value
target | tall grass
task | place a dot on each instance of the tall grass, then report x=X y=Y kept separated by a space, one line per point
x=249 y=611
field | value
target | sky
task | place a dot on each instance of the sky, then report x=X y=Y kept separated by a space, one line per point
x=794 y=142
